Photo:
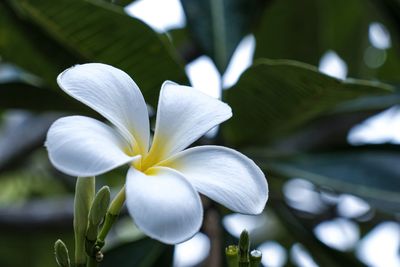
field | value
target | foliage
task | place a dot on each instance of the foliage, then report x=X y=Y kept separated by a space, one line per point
x=289 y=117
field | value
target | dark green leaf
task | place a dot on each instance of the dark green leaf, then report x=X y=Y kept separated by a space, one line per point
x=142 y=253
x=219 y=25
x=301 y=231
x=22 y=135
x=368 y=173
x=101 y=32
x=322 y=25
x=275 y=97
x=19 y=90
x=30 y=48
x=33 y=243
x=120 y=2
x=331 y=131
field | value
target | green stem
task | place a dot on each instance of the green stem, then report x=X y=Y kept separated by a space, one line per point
x=84 y=194
x=91 y=262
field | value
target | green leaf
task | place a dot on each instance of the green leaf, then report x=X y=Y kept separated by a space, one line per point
x=30 y=48
x=19 y=90
x=21 y=136
x=301 y=231
x=33 y=242
x=341 y=26
x=219 y=25
x=120 y=2
x=145 y=252
x=372 y=174
x=96 y=31
x=276 y=97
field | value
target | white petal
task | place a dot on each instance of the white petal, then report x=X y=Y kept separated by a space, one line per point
x=163 y=204
x=224 y=175
x=81 y=146
x=113 y=94
x=184 y=114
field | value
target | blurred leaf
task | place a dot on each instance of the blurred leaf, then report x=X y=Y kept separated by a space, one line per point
x=369 y=103
x=53 y=213
x=392 y=9
x=36 y=245
x=22 y=133
x=372 y=174
x=120 y=2
x=30 y=48
x=219 y=25
x=326 y=132
x=323 y=25
x=331 y=131
x=391 y=12
x=184 y=44
x=145 y=252
x=275 y=97
x=97 y=31
x=19 y=90
x=302 y=231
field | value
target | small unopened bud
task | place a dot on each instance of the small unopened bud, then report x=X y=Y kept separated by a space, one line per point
x=232 y=255
x=100 y=205
x=255 y=258
x=96 y=214
x=61 y=254
x=244 y=248
x=99 y=256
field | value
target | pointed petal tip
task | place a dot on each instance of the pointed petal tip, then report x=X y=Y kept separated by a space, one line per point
x=258 y=209
x=168 y=82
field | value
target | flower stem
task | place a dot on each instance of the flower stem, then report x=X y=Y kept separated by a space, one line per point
x=84 y=194
x=91 y=262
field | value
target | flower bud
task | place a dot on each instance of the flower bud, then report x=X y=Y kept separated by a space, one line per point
x=96 y=215
x=244 y=248
x=99 y=206
x=232 y=256
x=255 y=258
x=61 y=254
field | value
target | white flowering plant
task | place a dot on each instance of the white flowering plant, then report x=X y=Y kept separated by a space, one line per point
x=104 y=122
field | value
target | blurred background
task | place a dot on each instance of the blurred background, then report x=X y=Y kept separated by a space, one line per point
x=313 y=85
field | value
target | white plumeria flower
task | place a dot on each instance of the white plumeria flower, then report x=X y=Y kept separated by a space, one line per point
x=163 y=181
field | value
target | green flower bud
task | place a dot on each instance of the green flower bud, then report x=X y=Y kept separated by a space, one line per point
x=232 y=255
x=111 y=216
x=244 y=247
x=96 y=215
x=255 y=258
x=84 y=194
x=61 y=254
x=99 y=206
